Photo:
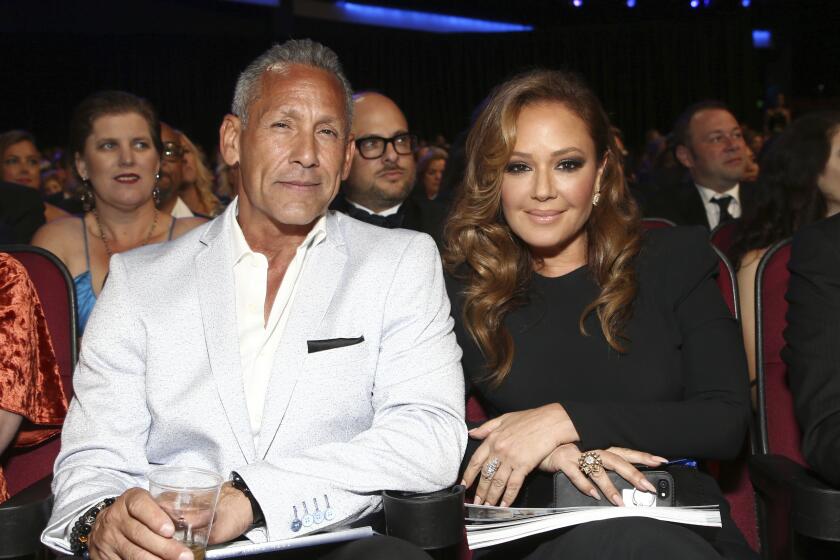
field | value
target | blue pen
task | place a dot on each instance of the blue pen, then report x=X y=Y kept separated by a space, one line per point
x=692 y=463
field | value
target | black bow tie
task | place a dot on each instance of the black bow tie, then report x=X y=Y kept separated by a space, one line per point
x=392 y=221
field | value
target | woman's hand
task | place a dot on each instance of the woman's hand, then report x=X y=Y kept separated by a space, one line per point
x=518 y=442
x=618 y=459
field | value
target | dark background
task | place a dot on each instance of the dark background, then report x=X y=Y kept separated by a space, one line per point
x=646 y=63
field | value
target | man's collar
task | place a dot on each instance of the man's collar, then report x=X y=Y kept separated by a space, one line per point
x=240 y=245
x=384 y=213
x=708 y=194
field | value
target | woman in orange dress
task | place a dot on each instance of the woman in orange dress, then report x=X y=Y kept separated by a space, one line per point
x=32 y=402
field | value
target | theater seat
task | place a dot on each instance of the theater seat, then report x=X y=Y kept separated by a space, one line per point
x=733 y=476
x=723 y=235
x=656 y=223
x=797 y=507
x=28 y=470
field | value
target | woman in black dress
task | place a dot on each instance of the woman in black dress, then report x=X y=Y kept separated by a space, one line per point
x=583 y=337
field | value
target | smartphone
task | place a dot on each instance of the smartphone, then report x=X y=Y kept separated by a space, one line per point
x=566 y=494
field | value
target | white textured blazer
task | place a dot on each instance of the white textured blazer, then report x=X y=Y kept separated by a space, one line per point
x=159 y=380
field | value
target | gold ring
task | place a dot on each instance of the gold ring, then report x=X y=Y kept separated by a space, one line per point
x=590 y=463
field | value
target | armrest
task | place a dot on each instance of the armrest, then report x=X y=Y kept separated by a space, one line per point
x=23 y=517
x=814 y=506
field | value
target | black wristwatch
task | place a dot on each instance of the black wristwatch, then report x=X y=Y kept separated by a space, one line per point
x=256 y=511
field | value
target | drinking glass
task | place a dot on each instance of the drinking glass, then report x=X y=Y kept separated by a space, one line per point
x=188 y=495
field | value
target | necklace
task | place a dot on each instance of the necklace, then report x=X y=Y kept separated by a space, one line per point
x=105 y=240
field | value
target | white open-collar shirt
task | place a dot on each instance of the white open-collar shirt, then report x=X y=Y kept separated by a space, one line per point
x=258 y=339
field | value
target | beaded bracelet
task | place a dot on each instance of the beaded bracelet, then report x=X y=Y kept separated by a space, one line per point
x=81 y=529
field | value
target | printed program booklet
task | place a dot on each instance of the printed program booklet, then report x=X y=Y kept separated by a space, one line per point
x=489 y=525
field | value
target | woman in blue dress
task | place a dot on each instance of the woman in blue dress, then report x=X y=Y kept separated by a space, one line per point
x=115 y=139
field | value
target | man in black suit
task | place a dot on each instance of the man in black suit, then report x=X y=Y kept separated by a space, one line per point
x=813 y=343
x=383 y=171
x=709 y=143
x=21 y=213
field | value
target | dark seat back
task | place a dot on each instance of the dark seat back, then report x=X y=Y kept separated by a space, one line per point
x=778 y=429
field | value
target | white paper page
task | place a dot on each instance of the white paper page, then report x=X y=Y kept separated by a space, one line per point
x=237 y=549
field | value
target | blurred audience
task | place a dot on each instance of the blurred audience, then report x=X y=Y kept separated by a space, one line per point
x=32 y=401
x=709 y=143
x=22 y=165
x=21 y=213
x=777 y=116
x=171 y=175
x=197 y=182
x=430 y=169
x=115 y=139
x=799 y=184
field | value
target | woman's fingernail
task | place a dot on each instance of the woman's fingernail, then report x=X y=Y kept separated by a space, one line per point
x=477 y=501
x=616 y=499
x=463 y=482
x=660 y=459
x=594 y=493
x=503 y=504
x=648 y=486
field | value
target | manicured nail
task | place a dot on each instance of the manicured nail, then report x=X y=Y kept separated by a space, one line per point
x=186 y=555
x=504 y=504
x=647 y=485
x=463 y=482
x=594 y=493
x=616 y=499
x=477 y=501
x=660 y=459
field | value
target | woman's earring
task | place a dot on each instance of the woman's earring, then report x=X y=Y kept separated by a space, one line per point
x=157 y=176
x=156 y=195
x=596 y=198
x=87 y=195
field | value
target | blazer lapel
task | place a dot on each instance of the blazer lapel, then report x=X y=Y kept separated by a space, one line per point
x=214 y=271
x=316 y=286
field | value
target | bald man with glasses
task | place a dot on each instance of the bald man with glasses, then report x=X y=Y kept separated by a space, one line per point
x=382 y=175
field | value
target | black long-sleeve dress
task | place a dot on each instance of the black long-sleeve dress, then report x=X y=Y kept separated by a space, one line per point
x=681 y=390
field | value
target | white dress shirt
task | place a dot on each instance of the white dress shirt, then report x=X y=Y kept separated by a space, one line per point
x=384 y=213
x=713 y=210
x=258 y=339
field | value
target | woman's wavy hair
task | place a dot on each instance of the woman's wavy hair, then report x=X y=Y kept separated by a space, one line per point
x=787 y=195
x=203 y=177
x=496 y=265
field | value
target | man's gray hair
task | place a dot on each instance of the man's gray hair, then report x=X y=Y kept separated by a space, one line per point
x=296 y=51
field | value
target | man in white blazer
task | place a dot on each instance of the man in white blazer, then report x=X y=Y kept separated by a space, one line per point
x=307 y=353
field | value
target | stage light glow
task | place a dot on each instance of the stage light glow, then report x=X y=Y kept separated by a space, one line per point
x=762 y=38
x=745 y=3
x=577 y=3
x=424 y=21
x=631 y=3
x=694 y=3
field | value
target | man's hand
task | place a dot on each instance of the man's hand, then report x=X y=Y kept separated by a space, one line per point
x=135 y=527
x=233 y=515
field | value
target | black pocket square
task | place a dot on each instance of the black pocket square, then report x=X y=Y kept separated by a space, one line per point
x=330 y=343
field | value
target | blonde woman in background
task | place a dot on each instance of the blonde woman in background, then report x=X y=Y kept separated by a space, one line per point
x=197 y=186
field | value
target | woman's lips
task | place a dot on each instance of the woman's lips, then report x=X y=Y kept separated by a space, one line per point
x=24 y=180
x=127 y=178
x=543 y=216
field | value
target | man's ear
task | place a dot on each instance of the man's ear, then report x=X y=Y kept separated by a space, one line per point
x=349 y=152
x=684 y=156
x=229 y=135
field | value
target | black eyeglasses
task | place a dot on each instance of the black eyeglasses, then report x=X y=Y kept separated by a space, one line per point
x=172 y=151
x=372 y=147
